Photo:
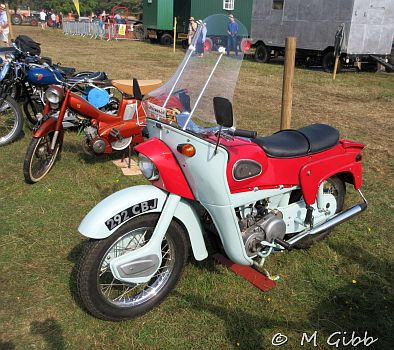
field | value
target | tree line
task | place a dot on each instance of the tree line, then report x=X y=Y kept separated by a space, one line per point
x=86 y=6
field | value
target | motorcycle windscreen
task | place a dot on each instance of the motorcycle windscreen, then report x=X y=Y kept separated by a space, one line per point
x=210 y=68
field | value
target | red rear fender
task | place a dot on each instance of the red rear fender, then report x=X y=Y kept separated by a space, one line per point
x=347 y=165
x=171 y=176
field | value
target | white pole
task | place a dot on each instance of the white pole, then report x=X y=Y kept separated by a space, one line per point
x=222 y=50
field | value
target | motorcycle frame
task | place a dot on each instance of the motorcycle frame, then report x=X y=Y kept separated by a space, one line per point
x=106 y=122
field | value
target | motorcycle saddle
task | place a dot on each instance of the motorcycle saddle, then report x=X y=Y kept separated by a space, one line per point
x=314 y=138
x=146 y=86
x=66 y=71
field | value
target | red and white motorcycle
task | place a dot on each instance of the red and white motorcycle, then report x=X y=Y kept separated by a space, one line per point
x=255 y=195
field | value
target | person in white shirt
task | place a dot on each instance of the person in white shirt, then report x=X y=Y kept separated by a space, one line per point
x=53 y=18
x=43 y=19
x=4 y=28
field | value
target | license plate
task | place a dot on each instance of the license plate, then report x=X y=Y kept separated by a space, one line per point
x=129 y=213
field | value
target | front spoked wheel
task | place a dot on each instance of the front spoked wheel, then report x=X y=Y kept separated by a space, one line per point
x=110 y=299
x=40 y=158
x=11 y=120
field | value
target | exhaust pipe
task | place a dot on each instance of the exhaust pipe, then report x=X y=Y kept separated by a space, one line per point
x=334 y=221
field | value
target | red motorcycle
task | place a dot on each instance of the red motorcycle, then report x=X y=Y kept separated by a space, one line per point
x=105 y=131
x=252 y=196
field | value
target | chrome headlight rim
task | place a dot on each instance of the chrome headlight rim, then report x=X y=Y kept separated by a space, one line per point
x=54 y=96
x=148 y=168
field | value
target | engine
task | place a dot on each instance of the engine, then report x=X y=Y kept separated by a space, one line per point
x=94 y=141
x=257 y=225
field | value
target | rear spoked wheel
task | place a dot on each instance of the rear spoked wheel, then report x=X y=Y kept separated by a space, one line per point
x=40 y=158
x=110 y=299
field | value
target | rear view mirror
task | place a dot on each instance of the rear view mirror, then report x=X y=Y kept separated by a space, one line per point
x=136 y=90
x=223 y=111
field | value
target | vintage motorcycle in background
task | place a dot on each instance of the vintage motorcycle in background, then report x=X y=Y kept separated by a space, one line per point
x=24 y=79
x=253 y=195
x=105 y=131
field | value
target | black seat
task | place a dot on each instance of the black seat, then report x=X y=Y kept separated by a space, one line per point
x=66 y=71
x=297 y=143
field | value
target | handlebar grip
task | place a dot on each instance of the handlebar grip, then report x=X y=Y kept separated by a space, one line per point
x=245 y=133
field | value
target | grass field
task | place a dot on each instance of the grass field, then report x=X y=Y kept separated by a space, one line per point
x=342 y=284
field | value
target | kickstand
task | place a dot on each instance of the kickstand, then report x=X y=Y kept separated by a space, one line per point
x=129 y=156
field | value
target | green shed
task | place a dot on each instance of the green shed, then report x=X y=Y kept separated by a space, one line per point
x=159 y=15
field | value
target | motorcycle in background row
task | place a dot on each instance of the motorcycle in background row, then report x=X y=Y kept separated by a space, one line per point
x=104 y=131
x=24 y=80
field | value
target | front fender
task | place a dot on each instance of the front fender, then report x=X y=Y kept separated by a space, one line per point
x=131 y=202
x=46 y=127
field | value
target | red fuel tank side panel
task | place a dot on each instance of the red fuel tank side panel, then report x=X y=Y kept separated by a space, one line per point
x=238 y=150
x=171 y=176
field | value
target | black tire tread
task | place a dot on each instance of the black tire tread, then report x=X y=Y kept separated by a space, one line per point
x=265 y=50
x=92 y=254
x=28 y=158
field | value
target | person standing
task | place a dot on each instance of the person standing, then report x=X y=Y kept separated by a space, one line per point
x=191 y=30
x=4 y=27
x=53 y=18
x=101 y=27
x=232 y=31
x=43 y=19
x=201 y=38
x=60 y=19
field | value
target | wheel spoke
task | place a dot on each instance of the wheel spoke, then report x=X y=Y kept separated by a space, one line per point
x=116 y=291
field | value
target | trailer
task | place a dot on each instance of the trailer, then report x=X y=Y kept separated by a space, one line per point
x=158 y=15
x=361 y=27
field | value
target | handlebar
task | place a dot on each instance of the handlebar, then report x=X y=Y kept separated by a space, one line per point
x=245 y=133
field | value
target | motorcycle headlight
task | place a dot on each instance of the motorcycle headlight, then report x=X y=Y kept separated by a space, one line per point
x=54 y=95
x=148 y=168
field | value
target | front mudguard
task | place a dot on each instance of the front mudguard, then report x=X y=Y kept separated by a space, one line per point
x=115 y=210
x=46 y=127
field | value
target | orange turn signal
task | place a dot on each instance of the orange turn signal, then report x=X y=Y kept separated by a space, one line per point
x=186 y=149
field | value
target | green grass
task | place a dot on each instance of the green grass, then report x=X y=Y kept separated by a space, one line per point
x=211 y=307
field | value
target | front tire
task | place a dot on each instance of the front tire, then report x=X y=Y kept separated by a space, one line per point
x=11 y=121
x=166 y=39
x=110 y=299
x=262 y=54
x=40 y=158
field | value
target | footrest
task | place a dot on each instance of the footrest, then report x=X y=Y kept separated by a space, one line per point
x=259 y=280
